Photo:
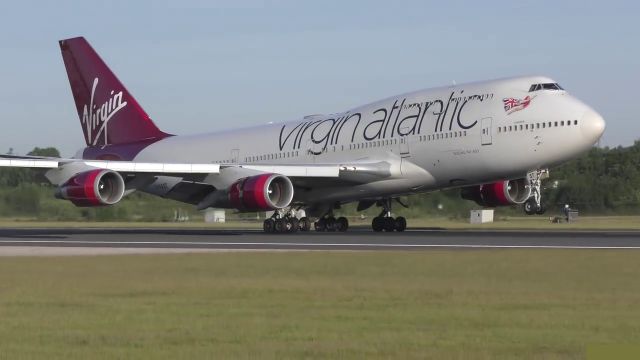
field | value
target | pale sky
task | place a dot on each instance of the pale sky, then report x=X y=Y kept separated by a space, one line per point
x=203 y=66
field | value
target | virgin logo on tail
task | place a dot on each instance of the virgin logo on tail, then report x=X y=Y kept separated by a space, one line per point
x=95 y=118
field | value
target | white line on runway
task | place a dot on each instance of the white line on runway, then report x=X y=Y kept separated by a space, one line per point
x=180 y=244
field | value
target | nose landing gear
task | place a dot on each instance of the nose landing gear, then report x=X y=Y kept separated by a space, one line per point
x=533 y=205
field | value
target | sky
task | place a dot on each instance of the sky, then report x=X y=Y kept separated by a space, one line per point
x=203 y=66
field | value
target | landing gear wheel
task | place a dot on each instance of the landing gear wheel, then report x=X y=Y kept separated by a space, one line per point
x=304 y=224
x=541 y=210
x=342 y=224
x=331 y=224
x=400 y=224
x=268 y=226
x=389 y=224
x=294 y=225
x=320 y=225
x=377 y=224
x=281 y=226
x=530 y=206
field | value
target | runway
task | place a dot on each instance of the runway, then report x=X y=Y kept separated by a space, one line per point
x=357 y=239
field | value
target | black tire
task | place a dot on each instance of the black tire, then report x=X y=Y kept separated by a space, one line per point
x=541 y=210
x=530 y=206
x=320 y=225
x=377 y=224
x=281 y=226
x=389 y=224
x=331 y=223
x=342 y=224
x=268 y=226
x=304 y=224
x=294 y=225
x=401 y=224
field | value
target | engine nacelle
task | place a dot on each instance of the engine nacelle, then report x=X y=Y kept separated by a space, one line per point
x=500 y=193
x=93 y=188
x=261 y=192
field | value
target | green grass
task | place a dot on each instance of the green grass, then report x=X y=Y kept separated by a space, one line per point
x=506 y=223
x=434 y=304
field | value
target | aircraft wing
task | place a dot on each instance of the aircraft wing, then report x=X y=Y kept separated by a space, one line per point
x=360 y=172
x=176 y=169
x=191 y=182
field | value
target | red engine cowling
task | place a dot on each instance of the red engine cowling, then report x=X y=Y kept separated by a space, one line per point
x=501 y=193
x=93 y=188
x=261 y=192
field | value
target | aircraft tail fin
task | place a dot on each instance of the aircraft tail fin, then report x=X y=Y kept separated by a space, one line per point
x=108 y=113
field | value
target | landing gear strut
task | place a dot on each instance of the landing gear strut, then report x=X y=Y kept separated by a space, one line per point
x=385 y=222
x=284 y=221
x=533 y=205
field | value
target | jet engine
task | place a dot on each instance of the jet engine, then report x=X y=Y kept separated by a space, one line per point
x=93 y=188
x=261 y=192
x=501 y=193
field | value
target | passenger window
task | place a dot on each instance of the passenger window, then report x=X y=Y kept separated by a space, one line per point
x=575 y=122
x=555 y=123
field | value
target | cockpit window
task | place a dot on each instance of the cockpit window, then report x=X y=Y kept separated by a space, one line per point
x=547 y=86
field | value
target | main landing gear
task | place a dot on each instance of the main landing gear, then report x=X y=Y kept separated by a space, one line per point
x=533 y=205
x=385 y=222
x=330 y=223
x=285 y=222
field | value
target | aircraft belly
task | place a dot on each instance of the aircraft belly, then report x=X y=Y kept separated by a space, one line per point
x=378 y=189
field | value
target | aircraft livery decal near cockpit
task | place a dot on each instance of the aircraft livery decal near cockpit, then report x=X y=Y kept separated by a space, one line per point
x=399 y=119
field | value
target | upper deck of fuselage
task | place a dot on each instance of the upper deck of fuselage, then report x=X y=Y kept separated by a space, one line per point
x=520 y=84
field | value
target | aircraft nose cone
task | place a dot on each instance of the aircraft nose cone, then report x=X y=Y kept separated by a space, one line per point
x=592 y=126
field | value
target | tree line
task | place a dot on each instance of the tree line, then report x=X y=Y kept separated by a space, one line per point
x=602 y=181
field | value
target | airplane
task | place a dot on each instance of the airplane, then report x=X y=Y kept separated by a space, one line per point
x=493 y=139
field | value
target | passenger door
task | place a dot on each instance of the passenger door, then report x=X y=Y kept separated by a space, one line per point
x=485 y=125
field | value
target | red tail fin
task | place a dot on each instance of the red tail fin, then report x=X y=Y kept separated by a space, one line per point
x=108 y=113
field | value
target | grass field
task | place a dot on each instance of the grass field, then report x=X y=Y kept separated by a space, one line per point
x=528 y=222
x=433 y=304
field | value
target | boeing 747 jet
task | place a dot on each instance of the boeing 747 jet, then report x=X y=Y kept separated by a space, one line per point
x=494 y=139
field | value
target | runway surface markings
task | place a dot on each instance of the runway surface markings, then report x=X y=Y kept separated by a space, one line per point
x=291 y=244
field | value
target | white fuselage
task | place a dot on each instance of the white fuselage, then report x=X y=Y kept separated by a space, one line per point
x=437 y=138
